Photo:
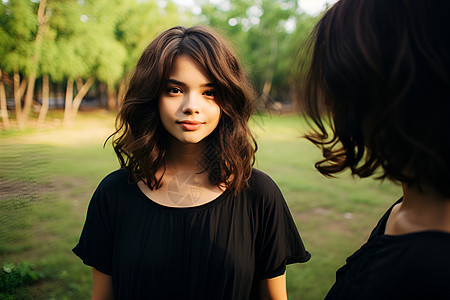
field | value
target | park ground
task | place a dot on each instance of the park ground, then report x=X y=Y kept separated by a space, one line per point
x=48 y=175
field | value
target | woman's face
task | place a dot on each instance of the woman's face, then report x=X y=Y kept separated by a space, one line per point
x=188 y=107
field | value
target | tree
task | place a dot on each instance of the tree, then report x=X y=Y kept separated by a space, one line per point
x=42 y=19
x=138 y=23
x=17 y=35
x=263 y=31
x=74 y=43
x=5 y=43
x=48 y=68
x=69 y=57
x=109 y=55
x=3 y=105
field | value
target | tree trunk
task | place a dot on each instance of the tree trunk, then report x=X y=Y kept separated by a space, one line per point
x=28 y=97
x=112 y=100
x=103 y=96
x=42 y=27
x=45 y=100
x=269 y=72
x=79 y=97
x=266 y=89
x=19 y=89
x=3 y=105
x=79 y=83
x=121 y=93
x=68 y=103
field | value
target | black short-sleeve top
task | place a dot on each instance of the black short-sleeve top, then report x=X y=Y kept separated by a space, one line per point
x=219 y=250
x=412 y=266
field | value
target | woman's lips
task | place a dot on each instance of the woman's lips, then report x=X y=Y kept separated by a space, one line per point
x=190 y=125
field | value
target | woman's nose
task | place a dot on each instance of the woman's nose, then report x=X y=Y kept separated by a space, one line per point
x=190 y=104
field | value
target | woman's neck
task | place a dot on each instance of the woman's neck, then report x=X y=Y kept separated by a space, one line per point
x=186 y=158
x=184 y=184
x=420 y=210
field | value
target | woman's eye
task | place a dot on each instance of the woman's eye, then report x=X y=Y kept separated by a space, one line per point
x=210 y=93
x=174 y=90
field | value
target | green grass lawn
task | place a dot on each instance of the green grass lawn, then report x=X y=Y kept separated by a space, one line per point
x=48 y=175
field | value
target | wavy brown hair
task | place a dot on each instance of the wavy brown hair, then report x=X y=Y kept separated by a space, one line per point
x=140 y=138
x=378 y=90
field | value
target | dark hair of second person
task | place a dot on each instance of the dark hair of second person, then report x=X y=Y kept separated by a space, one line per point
x=381 y=68
x=376 y=93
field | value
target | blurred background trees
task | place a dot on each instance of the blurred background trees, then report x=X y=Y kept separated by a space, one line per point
x=72 y=50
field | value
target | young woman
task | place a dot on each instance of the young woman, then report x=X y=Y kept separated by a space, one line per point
x=186 y=216
x=381 y=69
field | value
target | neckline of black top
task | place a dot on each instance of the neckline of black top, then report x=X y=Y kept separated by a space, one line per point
x=182 y=209
x=382 y=227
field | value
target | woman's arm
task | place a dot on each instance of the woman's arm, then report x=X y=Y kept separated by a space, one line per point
x=273 y=288
x=101 y=286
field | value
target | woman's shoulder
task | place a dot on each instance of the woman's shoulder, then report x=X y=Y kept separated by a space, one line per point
x=261 y=181
x=262 y=186
x=117 y=177
x=115 y=182
x=114 y=188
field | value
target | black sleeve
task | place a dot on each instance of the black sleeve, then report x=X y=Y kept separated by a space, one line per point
x=279 y=242
x=96 y=241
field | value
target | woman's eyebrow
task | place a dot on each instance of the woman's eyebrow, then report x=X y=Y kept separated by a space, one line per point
x=176 y=82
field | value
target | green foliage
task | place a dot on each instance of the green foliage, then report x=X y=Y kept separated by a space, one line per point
x=137 y=23
x=104 y=38
x=66 y=51
x=17 y=30
x=100 y=39
x=14 y=276
x=264 y=33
